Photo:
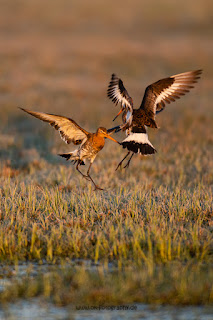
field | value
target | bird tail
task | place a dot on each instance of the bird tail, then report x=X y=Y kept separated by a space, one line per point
x=138 y=143
x=73 y=156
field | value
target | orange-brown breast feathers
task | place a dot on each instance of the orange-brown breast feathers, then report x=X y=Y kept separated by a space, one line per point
x=98 y=142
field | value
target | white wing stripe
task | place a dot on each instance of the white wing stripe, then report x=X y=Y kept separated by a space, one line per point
x=117 y=92
x=179 y=87
x=122 y=100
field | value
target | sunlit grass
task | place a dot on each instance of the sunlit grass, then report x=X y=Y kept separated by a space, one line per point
x=49 y=222
x=150 y=230
x=152 y=223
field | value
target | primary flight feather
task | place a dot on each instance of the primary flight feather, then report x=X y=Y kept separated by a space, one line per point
x=155 y=98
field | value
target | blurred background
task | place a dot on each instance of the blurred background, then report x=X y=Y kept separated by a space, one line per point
x=57 y=56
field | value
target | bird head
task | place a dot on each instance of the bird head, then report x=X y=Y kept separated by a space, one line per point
x=102 y=132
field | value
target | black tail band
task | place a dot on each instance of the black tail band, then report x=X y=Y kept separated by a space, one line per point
x=143 y=148
x=65 y=155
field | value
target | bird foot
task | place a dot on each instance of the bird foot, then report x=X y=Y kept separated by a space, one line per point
x=118 y=166
x=97 y=188
x=127 y=165
x=86 y=177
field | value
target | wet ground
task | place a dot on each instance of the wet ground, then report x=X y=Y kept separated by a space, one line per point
x=37 y=310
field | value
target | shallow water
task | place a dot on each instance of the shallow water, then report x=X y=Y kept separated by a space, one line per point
x=36 y=310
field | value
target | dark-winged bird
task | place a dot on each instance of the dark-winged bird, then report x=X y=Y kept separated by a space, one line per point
x=155 y=98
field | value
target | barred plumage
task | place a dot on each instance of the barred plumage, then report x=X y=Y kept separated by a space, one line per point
x=70 y=131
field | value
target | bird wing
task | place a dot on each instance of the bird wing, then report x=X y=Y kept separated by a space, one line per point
x=168 y=90
x=117 y=93
x=68 y=129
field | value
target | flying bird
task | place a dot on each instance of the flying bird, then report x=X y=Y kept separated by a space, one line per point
x=155 y=98
x=89 y=143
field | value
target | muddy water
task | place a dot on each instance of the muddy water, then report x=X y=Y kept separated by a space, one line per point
x=37 y=309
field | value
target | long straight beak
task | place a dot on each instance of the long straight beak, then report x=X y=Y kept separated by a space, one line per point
x=115 y=129
x=118 y=114
x=108 y=136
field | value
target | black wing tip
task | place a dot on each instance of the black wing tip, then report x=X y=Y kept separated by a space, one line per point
x=114 y=76
x=199 y=71
x=32 y=113
x=67 y=156
x=197 y=74
x=25 y=110
x=110 y=93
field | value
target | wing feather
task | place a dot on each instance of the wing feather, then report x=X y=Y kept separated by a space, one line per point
x=168 y=90
x=68 y=129
x=118 y=94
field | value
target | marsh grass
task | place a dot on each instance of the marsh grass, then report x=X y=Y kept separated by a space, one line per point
x=49 y=222
x=158 y=239
x=153 y=222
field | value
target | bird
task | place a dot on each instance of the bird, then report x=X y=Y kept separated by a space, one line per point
x=154 y=101
x=89 y=143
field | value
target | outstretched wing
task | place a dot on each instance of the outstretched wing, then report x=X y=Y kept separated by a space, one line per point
x=168 y=90
x=117 y=93
x=68 y=129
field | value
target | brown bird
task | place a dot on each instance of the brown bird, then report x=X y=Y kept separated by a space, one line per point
x=155 y=97
x=70 y=131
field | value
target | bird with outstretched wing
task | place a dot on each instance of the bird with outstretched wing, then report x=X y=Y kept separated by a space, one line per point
x=155 y=98
x=89 y=143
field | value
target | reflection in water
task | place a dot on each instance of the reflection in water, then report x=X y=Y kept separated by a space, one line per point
x=35 y=310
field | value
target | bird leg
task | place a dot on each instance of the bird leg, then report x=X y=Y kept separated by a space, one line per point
x=95 y=185
x=86 y=177
x=127 y=165
x=120 y=163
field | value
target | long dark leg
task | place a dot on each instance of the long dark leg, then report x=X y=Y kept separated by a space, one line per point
x=83 y=175
x=96 y=187
x=127 y=165
x=120 y=163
